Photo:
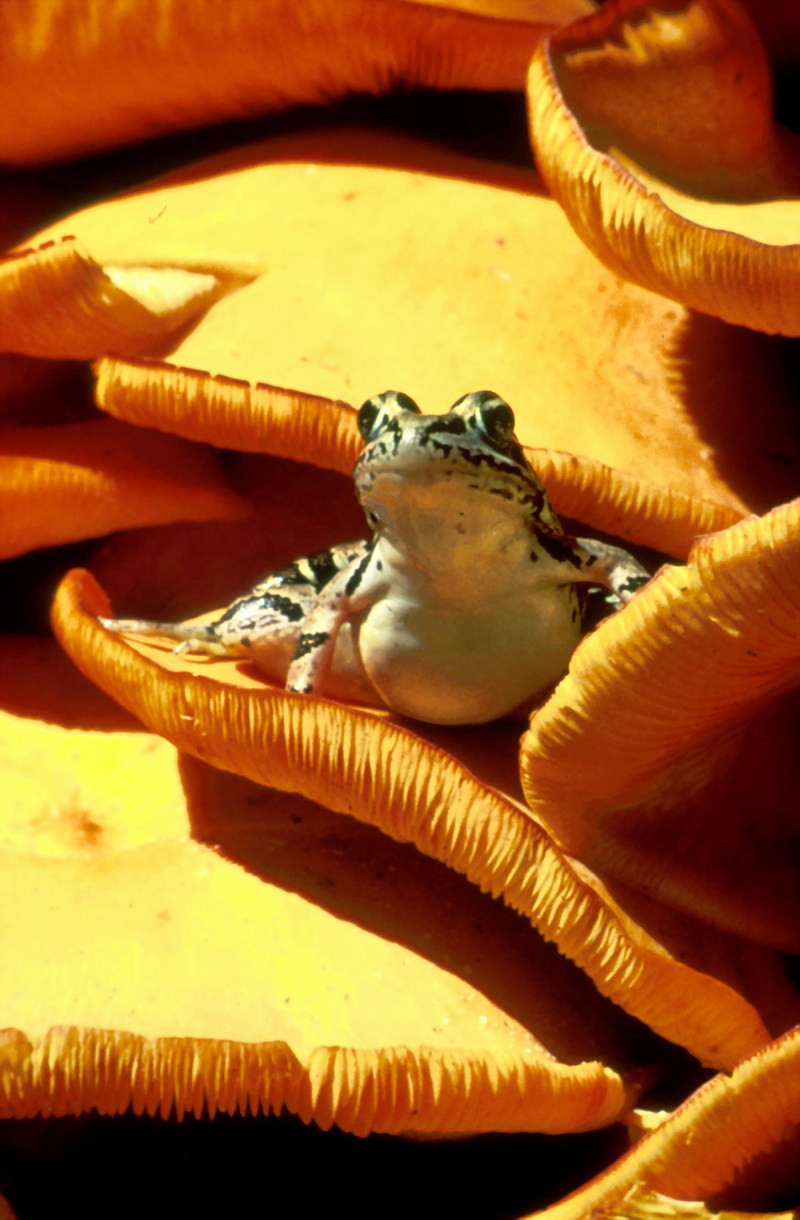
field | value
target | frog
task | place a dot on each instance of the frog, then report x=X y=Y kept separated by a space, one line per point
x=465 y=603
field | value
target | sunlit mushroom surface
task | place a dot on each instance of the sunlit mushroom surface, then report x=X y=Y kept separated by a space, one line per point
x=296 y=931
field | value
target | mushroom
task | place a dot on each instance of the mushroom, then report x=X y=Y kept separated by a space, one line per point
x=81 y=479
x=176 y=940
x=652 y=125
x=667 y=757
x=88 y=79
x=732 y=1144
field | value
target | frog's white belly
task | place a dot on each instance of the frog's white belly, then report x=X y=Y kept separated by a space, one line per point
x=448 y=667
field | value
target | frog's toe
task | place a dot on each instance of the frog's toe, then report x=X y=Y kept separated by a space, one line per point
x=631 y=585
x=206 y=646
x=300 y=688
x=191 y=636
x=130 y=626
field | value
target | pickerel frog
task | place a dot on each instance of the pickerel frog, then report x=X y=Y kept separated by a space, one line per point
x=461 y=608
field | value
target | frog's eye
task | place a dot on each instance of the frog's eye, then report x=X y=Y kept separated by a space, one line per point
x=491 y=414
x=377 y=411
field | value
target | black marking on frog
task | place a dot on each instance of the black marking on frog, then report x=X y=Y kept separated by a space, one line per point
x=317 y=569
x=288 y=607
x=283 y=605
x=560 y=548
x=292 y=576
x=632 y=583
x=355 y=579
x=535 y=499
x=322 y=568
x=390 y=438
x=449 y=425
x=308 y=641
x=481 y=459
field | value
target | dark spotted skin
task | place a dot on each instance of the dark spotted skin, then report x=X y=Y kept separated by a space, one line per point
x=274 y=608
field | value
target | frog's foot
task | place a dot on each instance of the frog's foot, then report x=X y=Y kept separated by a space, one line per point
x=612 y=567
x=192 y=637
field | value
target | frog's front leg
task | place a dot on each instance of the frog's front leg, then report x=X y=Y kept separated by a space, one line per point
x=351 y=591
x=610 y=566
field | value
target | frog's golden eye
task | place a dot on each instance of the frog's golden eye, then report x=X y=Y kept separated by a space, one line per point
x=493 y=417
x=377 y=411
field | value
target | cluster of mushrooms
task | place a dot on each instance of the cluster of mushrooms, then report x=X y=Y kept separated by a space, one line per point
x=222 y=898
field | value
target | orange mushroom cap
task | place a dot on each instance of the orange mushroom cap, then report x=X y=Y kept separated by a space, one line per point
x=88 y=477
x=697 y=1155
x=87 y=77
x=652 y=125
x=667 y=756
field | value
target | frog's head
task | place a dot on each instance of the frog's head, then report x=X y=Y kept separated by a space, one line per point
x=481 y=419
x=426 y=463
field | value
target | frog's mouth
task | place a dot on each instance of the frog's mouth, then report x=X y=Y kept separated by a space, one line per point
x=449 y=510
x=447 y=523
x=473 y=471
x=438 y=450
